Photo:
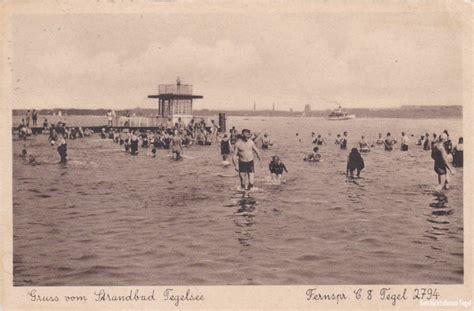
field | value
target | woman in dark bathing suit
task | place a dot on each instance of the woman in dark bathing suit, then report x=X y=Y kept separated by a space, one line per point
x=427 y=142
x=355 y=163
x=388 y=142
x=277 y=167
x=225 y=147
x=441 y=165
x=134 y=144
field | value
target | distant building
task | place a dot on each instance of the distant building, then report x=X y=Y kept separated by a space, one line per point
x=307 y=109
x=175 y=101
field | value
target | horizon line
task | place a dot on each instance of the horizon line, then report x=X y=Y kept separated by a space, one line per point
x=237 y=110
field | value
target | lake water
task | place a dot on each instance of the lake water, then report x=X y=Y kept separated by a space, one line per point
x=113 y=219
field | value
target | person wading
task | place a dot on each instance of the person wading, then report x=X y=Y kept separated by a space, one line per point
x=244 y=150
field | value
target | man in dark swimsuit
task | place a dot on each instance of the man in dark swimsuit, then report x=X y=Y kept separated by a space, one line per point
x=225 y=147
x=244 y=150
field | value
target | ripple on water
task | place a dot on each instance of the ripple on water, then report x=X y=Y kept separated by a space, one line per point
x=116 y=219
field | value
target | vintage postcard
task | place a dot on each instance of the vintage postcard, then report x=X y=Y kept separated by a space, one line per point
x=236 y=155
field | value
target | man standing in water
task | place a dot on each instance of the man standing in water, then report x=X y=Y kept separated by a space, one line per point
x=389 y=142
x=244 y=150
x=176 y=146
x=62 y=150
x=404 y=142
x=233 y=135
x=344 y=141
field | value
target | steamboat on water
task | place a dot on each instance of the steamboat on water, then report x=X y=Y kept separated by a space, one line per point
x=339 y=115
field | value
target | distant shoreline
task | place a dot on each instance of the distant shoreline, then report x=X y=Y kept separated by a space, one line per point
x=404 y=112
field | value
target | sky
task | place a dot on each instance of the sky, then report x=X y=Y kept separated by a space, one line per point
x=236 y=59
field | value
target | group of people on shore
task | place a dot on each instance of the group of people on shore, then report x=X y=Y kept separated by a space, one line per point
x=30 y=118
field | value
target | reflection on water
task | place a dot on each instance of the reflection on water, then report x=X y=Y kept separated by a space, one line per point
x=440 y=205
x=441 y=230
x=439 y=223
x=244 y=220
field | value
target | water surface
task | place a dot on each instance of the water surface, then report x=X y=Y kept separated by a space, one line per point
x=113 y=219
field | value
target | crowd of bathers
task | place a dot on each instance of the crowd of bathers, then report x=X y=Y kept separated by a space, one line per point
x=443 y=151
x=58 y=134
x=165 y=136
x=175 y=137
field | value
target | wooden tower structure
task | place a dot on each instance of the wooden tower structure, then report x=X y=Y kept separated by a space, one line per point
x=175 y=101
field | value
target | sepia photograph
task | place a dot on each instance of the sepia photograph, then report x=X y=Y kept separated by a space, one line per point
x=185 y=146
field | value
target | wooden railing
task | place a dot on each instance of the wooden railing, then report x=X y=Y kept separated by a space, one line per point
x=181 y=89
x=135 y=121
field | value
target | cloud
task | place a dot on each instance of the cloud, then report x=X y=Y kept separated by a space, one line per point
x=70 y=76
x=358 y=60
x=183 y=55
